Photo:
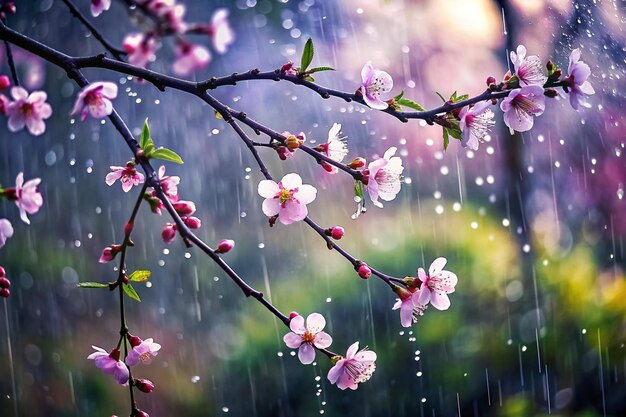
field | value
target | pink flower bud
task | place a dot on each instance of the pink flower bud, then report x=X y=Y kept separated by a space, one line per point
x=293 y=314
x=139 y=413
x=286 y=67
x=357 y=163
x=169 y=233
x=144 y=385
x=2 y=272
x=491 y=80
x=337 y=232
x=327 y=167
x=4 y=82
x=283 y=153
x=225 y=246
x=364 y=271
x=4 y=293
x=115 y=354
x=109 y=253
x=185 y=208
x=192 y=222
x=5 y=283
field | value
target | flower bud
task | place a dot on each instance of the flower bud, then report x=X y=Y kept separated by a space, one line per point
x=184 y=208
x=134 y=340
x=128 y=228
x=286 y=67
x=4 y=293
x=491 y=80
x=401 y=292
x=4 y=82
x=293 y=142
x=143 y=385
x=293 y=314
x=5 y=283
x=272 y=220
x=549 y=65
x=192 y=222
x=225 y=246
x=115 y=354
x=357 y=163
x=139 y=413
x=327 y=167
x=336 y=232
x=169 y=232
x=364 y=271
x=109 y=253
x=2 y=272
x=283 y=152
x=10 y=8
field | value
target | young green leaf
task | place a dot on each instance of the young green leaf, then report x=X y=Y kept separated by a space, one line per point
x=399 y=96
x=309 y=79
x=461 y=98
x=319 y=69
x=455 y=133
x=410 y=104
x=146 y=142
x=92 y=285
x=130 y=291
x=167 y=155
x=140 y=275
x=358 y=189
x=307 y=55
x=446 y=139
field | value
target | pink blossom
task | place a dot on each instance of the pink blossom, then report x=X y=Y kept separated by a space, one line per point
x=373 y=83
x=140 y=50
x=110 y=364
x=225 y=246
x=144 y=385
x=529 y=70
x=288 y=69
x=521 y=106
x=306 y=339
x=128 y=176
x=169 y=233
x=143 y=353
x=95 y=99
x=221 y=32
x=4 y=103
x=5 y=82
x=357 y=367
x=190 y=58
x=436 y=285
x=384 y=177
x=410 y=307
x=169 y=184
x=475 y=124
x=27 y=196
x=578 y=86
x=192 y=222
x=6 y=231
x=335 y=148
x=28 y=110
x=98 y=6
x=287 y=199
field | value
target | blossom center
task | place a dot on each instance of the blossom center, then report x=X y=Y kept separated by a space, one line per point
x=285 y=195
x=524 y=103
x=308 y=337
x=28 y=109
x=94 y=98
x=144 y=357
x=358 y=371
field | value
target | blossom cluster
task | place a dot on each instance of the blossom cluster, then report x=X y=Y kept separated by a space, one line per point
x=168 y=18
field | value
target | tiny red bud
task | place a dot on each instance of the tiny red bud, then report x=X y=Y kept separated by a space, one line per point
x=5 y=283
x=491 y=80
x=357 y=163
x=364 y=271
x=4 y=82
x=10 y=8
x=134 y=340
x=494 y=101
x=225 y=246
x=272 y=220
x=286 y=67
x=293 y=314
x=115 y=354
x=125 y=279
x=192 y=222
x=185 y=208
x=328 y=167
x=144 y=385
x=337 y=232
x=140 y=154
x=128 y=228
x=2 y=272
x=139 y=413
x=169 y=233
x=4 y=292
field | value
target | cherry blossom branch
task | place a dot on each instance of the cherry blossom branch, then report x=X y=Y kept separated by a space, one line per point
x=116 y=52
x=356 y=263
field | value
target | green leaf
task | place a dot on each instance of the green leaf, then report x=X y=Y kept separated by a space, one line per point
x=446 y=139
x=455 y=133
x=440 y=96
x=358 y=189
x=463 y=97
x=146 y=142
x=167 y=155
x=319 y=69
x=130 y=291
x=307 y=55
x=140 y=275
x=92 y=285
x=309 y=79
x=410 y=103
x=399 y=96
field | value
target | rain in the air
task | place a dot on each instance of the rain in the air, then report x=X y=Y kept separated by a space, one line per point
x=308 y=207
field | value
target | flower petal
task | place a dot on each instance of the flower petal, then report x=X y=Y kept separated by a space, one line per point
x=322 y=340
x=291 y=181
x=306 y=353
x=437 y=266
x=268 y=189
x=292 y=340
x=315 y=322
x=296 y=325
x=440 y=301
